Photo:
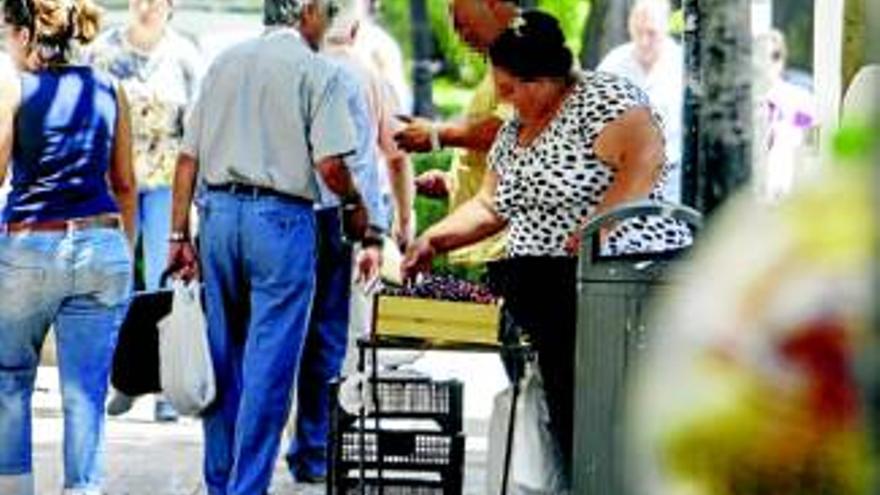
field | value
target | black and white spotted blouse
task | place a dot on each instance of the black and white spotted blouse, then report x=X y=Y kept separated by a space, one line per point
x=547 y=188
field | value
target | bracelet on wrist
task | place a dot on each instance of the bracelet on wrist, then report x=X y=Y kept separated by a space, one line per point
x=178 y=236
x=436 y=145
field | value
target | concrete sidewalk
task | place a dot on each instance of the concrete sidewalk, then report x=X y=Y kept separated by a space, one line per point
x=147 y=458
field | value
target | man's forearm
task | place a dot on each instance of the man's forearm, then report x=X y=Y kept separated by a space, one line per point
x=402 y=187
x=337 y=177
x=184 y=186
x=473 y=134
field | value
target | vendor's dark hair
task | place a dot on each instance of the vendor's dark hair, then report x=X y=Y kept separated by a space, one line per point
x=532 y=47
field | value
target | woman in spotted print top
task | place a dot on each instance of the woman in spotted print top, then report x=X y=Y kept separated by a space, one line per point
x=581 y=143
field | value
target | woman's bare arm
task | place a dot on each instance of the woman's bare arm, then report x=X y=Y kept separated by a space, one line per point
x=10 y=97
x=121 y=174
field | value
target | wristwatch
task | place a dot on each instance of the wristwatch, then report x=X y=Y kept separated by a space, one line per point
x=178 y=236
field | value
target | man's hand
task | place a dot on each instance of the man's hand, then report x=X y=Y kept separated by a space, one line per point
x=403 y=230
x=415 y=137
x=417 y=259
x=368 y=263
x=355 y=220
x=183 y=260
x=433 y=184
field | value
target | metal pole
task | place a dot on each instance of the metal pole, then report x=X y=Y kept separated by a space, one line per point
x=718 y=101
x=606 y=28
x=872 y=392
x=422 y=66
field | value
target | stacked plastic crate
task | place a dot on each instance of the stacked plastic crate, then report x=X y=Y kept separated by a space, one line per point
x=411 y=442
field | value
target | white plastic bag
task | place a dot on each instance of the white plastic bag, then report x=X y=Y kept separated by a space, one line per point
x=185 y=366
x=535 y=464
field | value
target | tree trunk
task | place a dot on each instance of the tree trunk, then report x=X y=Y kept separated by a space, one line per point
x=854 y=34
x=423 y=73
x=718 y=108
x=605 y=29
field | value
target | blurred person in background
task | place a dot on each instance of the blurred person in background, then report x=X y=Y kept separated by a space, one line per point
x=254 y=146
x=793 y=319
x=785 y=113
x=579 y=145
x=159 y=69
x=653 y=61
x=66 y=234
x=328 y=335
x=384 y=54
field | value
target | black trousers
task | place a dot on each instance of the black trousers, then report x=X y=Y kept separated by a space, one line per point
x=540 y=295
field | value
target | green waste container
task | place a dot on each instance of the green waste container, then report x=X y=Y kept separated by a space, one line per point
x=614 y=294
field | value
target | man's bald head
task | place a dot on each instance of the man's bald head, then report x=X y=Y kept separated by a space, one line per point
x=648 y=21
x=479 y=22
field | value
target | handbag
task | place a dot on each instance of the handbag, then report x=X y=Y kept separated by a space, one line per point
x=135 y=369
x=185 y=364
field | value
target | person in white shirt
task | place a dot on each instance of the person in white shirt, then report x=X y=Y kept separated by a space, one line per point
x=654 y=61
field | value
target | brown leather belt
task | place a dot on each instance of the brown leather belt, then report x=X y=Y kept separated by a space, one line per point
x=110 y=221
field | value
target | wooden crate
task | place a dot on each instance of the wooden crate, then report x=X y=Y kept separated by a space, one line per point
x=436 y=320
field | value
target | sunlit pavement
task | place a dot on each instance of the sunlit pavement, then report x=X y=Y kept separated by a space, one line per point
x=148 y=458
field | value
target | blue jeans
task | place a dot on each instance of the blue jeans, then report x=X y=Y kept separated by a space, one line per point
x=324 y=349
x=79 y=283
x=154 y=228
x=258 y=266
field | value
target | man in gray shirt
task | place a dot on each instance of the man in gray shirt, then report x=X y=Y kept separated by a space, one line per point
x=270 y=116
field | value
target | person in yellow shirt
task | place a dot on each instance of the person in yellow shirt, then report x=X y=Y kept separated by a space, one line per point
x=478 y=23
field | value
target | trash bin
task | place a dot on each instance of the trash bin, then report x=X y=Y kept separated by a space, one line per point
x=614 y=294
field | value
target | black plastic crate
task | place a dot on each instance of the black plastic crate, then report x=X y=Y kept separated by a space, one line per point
x=395 y=487
x=401 y=450
x=392 y=485
x=414 y=399
x=412 y=445
x=422 y=462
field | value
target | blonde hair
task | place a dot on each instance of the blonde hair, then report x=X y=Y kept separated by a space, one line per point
x=54 y=24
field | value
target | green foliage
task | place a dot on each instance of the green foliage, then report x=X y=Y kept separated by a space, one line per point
x=450 y=97
x=855 y=141
x=430 y=211
x=572 y=16
x=462 y=63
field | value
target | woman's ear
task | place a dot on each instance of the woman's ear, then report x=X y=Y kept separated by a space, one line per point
x=23 y=36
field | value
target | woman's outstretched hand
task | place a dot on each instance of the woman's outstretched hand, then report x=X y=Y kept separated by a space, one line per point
x=417 y=259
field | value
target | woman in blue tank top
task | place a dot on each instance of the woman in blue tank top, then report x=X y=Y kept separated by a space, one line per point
x=65 y=250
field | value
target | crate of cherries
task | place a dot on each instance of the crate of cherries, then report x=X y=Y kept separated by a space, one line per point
x=442 y=287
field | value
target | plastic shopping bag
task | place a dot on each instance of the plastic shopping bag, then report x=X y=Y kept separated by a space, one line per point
x=185 y=366
x=535 y=465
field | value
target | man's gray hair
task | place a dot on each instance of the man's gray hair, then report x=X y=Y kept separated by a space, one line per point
x=284 y=12
x=658 y=10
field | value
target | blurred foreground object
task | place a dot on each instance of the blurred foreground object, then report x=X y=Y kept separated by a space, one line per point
x=751 y=387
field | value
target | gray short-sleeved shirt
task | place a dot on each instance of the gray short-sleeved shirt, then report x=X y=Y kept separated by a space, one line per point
x=269 y=109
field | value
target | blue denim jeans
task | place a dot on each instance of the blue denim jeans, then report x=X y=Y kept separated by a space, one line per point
x=154 y=228
x=324 y=349
x=79 y=283
x=258 y=267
